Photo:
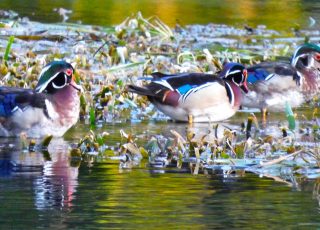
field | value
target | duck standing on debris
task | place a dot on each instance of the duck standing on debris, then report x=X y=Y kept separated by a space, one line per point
x=272 y=84
x=197 y=97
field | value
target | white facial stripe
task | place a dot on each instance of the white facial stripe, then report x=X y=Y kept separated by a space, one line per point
x=311 y=61
x=242 y=77
x=226 y=74
x=46 y=84
x=294 y=61
x=233 y=72
x=235 y=82
x=60 y=87
x=44 y=70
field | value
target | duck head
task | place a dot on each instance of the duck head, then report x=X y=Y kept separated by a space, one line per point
x=306 y=60
x=55 y=76
x=235 y=73
x=306 y=55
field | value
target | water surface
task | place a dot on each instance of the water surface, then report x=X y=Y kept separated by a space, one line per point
x=282 y=15
x=51 y=191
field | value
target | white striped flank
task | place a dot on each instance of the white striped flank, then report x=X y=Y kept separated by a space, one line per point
x=208 y=102
x=15 y=109
x=269 y=77
x=194 y=90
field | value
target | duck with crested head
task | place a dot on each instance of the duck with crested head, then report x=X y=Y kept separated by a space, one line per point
x=197 y=97
x=49 y=109
x=273 y=84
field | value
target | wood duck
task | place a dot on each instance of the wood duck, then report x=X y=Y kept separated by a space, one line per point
x=197 y=97
x=272 y=84
x=49 y=109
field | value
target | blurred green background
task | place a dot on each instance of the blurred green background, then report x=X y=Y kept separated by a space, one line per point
x=280 y=15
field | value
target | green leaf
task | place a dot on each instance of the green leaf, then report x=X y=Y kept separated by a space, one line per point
x=92 y=117
x=46 y=141
x=120 y=83
x=83 y=102
x=290 y=116
x=6 y=54
x=46 y=155
x=224 y=155
x=125 y=66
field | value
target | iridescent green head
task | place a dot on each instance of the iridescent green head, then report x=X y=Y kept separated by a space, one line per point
x=305 y=55
x=54 y=76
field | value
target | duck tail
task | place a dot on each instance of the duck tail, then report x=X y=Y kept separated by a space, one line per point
x=140 y=90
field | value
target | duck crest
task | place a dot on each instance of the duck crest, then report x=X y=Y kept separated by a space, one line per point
x=234 y=94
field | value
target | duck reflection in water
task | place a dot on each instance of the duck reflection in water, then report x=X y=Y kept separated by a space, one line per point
x=58 y=183
x=54 y=179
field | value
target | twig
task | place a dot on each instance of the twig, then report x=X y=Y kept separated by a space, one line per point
x=282 y=158
x=105 y=43
x=180 y=139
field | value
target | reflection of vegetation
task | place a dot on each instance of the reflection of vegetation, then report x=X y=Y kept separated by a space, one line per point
x=275 y=14
x=178 y=201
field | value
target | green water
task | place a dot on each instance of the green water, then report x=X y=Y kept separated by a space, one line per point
x=62 y=194
x=275 y=14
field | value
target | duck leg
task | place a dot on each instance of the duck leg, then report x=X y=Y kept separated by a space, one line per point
x=190 y=119
x=264 y=112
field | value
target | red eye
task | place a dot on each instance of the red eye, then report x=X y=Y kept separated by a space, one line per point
x=317 y=56
x=69 y=72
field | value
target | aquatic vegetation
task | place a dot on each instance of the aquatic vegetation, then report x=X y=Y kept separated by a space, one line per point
x=33 y=145
x=6 y=54
x=290 y=117
x=107 y=59
x=92 y=143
